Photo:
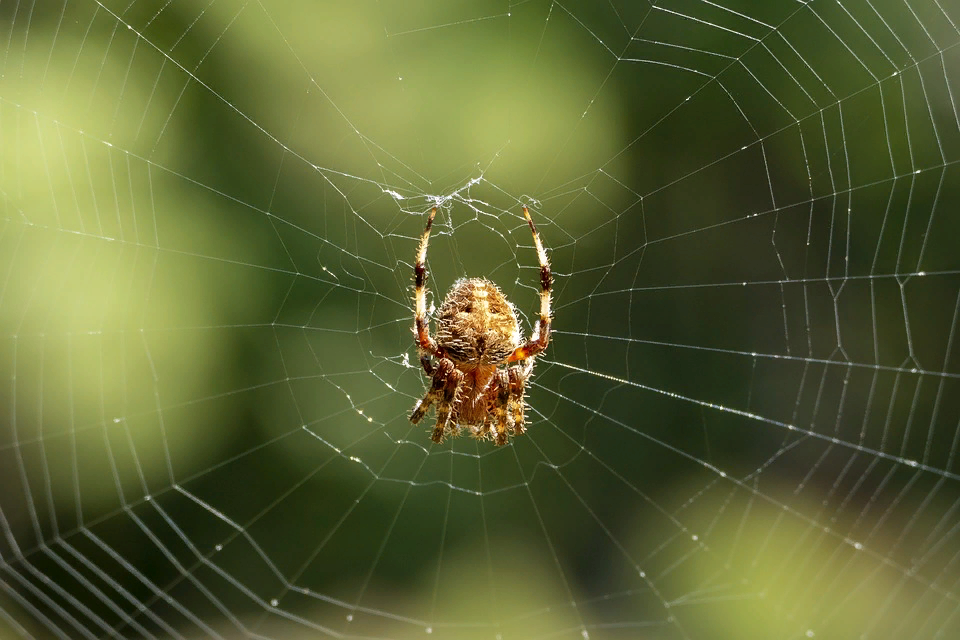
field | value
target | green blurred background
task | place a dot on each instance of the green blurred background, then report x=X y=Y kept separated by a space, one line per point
x=744 y=428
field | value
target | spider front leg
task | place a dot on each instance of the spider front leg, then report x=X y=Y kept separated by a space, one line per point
x=501 y=409
x=443 y=390
x=445 y=406
x=440 y=373
x=518 y=382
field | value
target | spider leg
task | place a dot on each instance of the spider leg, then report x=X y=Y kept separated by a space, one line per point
x=518 y=381
x=440 y=373
x=501 y=411
x=445 y=405
x=482 y=432
x=421 y=324
x=541 y=334
x=427 y=364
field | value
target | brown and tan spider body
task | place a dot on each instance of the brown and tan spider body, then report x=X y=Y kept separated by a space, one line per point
x=477 y=329
x=474 y=380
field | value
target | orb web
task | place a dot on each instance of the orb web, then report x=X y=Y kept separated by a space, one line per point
x=746 y=423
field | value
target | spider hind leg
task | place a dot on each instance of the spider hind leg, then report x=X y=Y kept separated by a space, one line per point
x=421 y=324
x=541 y=335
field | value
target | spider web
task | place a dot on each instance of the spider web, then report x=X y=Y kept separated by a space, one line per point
x=747 y=422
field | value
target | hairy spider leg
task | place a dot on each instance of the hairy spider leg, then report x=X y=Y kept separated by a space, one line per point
x=421 y=325
x=518 y=378
x=443 y=370
x=501 y=411
x=483 y=430
x=541 y=334
x=446 y=404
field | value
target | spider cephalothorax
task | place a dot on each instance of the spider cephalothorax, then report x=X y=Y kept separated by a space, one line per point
x=477 y=334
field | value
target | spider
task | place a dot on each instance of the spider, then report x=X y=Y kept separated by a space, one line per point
x=477 y=334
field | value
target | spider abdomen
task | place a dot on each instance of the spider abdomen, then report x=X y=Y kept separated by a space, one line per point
x=476 y=326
